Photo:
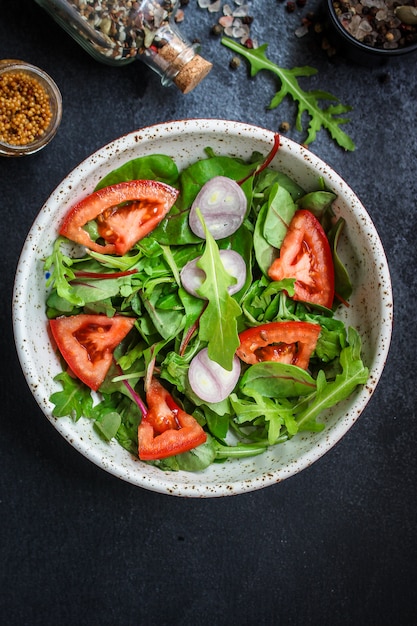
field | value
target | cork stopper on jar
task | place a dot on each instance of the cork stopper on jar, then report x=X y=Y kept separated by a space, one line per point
x=180 y=64
x=192 y=74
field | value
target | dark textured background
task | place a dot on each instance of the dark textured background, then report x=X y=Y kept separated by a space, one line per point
x=335 y=545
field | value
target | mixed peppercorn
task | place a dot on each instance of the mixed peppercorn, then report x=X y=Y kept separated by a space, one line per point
x=384 y=24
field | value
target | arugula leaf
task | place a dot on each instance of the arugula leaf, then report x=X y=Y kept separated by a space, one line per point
x=58 y=267
x=218 y=323
x=121 y=263
x=74 y=400
x=275 y=415
x=265 y=301
x=353 y=373
x=308 y=101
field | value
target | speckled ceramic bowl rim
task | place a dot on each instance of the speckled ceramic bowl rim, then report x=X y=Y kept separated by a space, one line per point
x=32 y=341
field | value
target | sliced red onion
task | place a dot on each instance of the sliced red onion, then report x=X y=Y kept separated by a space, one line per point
x=192 y=277
x=223 y=206
x=209 y=380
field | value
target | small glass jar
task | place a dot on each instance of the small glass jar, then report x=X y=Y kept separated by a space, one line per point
x=30 y=108
x=117 y=32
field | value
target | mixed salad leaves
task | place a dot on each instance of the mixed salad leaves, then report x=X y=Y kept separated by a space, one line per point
x=194 y=310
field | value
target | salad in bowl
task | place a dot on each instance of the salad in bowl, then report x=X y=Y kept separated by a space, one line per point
x=207 y=304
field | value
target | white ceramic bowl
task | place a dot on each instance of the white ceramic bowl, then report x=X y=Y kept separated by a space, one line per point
x=370 y=311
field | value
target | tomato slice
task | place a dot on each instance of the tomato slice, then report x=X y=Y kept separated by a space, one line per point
x=144 y=204
x=284 y=342
x=306 y=256
x=87 y=342
x=166 y=430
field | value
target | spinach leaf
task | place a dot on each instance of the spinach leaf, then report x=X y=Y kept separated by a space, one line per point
x=108 y=425
x=168 y=322
x=281 y=209
x=265 y=181
x=153 y=167
x=317 y=202
x=264 y=252
x=343 y=285
x=276 y=380
x=200 y=172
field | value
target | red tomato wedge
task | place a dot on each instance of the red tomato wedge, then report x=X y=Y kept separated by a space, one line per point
x=87 y=342
x=144 y=203
x=306 y=256
x=283 y=342
x=166 y=430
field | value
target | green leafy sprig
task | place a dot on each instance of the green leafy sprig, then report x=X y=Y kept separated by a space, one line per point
x=307 y=101
x=218 y=325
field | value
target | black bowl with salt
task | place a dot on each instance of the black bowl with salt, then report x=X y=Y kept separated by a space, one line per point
x=373 y=32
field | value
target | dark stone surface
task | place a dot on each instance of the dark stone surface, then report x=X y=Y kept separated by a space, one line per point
x=335 y=545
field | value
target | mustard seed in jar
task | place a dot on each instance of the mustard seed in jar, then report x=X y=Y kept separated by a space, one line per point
x=30 y=108
x=25 y=109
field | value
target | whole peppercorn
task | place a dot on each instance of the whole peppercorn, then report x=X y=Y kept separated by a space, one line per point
x=247 y=19
x=234 y=63
x=290 y=6
x=216 y=30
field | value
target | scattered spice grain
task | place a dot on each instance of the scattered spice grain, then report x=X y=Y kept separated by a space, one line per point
x=25 y=109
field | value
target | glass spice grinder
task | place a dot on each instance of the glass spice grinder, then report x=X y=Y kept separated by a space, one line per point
x=117 y=32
